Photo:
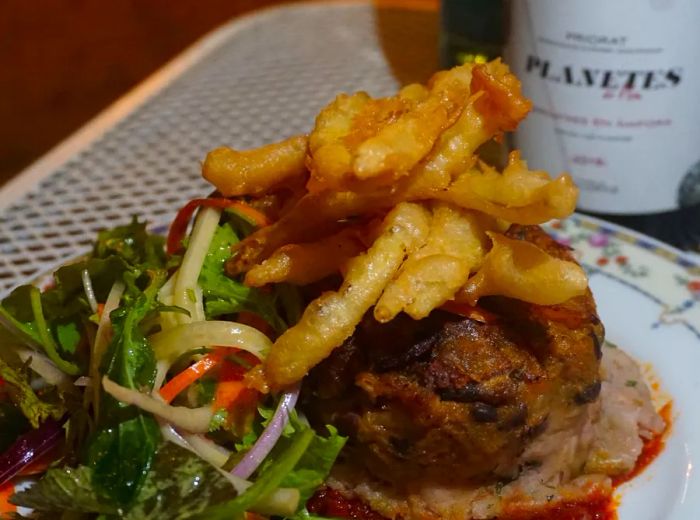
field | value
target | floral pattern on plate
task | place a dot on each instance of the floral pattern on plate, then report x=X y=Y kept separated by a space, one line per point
x=656 y=269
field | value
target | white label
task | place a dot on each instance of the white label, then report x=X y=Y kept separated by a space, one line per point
x=615 y=86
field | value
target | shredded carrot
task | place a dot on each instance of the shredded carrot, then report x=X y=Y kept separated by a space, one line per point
x=183 y=217
x=188 y=376
x=232 y=388
x=227 y=392
x=256 y=217
x=6 y=491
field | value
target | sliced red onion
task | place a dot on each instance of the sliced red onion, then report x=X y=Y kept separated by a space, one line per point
x=269 y=437
x=29 y=447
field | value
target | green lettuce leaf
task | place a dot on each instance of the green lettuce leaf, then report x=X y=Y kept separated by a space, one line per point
x=224 y=295
x=55 y=319
x=22 y=395
x=67 y=296
x=314 y=466
x=265 y=484
x=122 y=449
x=133 y=244
x=301 y=460
x=64 y=489
x=179 y=485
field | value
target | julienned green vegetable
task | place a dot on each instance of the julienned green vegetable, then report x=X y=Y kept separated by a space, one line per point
x=116 y=463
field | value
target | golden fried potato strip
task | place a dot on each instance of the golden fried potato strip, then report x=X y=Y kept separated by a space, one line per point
x=331 y=319
x=316 y=215
x=480 y=120
x=365 y=138
x=452 y=154
x=517 y=195
x=254 y=172
x=521 y=270
x=503 y=104
x=301 y=264
x=414 y=92
x=342 y=127
x=455 y=246
x=330 y=160
x=400 y=145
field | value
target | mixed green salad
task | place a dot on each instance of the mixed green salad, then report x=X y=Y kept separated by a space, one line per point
x=124 y=390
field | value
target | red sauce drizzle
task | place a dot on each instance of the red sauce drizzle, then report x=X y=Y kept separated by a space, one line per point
x=328 y=502
x=594 y=508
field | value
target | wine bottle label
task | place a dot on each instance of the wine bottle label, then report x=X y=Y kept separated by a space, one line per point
x=615 y=87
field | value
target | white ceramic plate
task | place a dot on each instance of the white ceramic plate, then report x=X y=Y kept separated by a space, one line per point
x=648 y=297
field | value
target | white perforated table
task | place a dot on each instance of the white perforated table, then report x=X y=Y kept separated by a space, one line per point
x=257 y=79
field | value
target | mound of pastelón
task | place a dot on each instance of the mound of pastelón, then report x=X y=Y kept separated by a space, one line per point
x=450 y=338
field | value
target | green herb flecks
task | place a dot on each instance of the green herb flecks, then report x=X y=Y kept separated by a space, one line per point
x=22 y=395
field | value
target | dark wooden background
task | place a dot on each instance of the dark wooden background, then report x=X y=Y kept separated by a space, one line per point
x=63 y=61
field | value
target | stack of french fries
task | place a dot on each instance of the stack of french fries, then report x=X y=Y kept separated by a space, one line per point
x=390 y=193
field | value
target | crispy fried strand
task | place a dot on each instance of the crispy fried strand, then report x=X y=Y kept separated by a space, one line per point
x=503 y=105
x=521 y=270
x=254 y=172
x=331 y=318
x=360 y=138
x=330 y=160
x=479 y=121
x=452 y=154
x=456 y=245
x=301 y=264
x=400 y=145
x=316 y=215
x=414 y=92
x=517 y=195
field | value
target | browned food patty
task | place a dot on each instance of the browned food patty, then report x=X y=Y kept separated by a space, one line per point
x=454 y=399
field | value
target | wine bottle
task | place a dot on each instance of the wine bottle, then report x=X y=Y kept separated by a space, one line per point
x=614 y=85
